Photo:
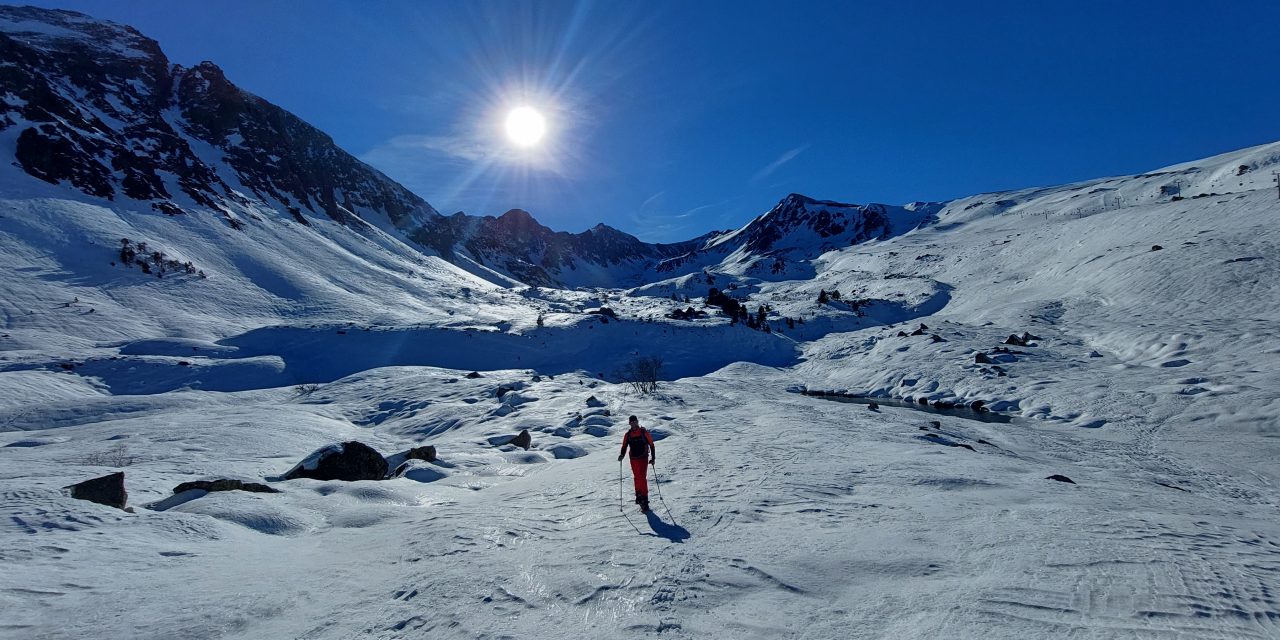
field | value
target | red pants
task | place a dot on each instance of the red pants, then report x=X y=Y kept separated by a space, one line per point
x=640 y=470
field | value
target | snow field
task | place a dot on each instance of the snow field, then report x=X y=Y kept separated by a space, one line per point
x=1151 y=386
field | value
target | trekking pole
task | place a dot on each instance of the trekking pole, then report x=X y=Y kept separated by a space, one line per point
x=657 y=485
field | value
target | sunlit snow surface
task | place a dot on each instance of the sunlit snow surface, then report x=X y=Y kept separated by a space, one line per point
x=1153 y=387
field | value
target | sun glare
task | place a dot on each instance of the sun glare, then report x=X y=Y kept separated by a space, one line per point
x=525 y=126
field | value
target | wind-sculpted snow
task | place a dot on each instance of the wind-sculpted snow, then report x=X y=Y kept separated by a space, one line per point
x=781 y=515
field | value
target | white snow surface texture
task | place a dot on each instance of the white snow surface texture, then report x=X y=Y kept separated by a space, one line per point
x=1151 y=383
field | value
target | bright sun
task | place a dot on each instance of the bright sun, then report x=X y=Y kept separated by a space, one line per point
x=525 y=126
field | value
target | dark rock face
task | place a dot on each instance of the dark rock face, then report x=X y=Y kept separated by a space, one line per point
x=108 y=490
x=101 y=109
x=224 y=484
x=347 y=461
x=1060 y=478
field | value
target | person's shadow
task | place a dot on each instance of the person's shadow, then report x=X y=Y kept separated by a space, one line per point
x=672 y=532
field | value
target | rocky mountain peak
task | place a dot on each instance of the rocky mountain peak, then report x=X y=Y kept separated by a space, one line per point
x=58 y=30
x=94 y=104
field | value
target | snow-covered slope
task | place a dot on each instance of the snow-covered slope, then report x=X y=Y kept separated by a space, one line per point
x=1149 y=383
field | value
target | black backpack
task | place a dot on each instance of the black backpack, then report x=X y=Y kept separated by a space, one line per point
x=638 y=443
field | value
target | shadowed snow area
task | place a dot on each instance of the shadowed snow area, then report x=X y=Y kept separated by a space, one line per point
x=1118 y=334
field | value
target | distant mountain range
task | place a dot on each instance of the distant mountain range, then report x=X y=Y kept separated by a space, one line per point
x=96 y=106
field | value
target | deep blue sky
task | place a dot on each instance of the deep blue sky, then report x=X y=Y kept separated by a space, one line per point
x=672 y=119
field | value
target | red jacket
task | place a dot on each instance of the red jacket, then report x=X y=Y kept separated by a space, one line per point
x=641 y=444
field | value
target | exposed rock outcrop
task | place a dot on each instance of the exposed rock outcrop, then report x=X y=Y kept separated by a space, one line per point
x=108 y=490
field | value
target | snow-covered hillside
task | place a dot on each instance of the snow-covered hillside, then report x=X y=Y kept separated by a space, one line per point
x=1120 y=333
x=1149 y=383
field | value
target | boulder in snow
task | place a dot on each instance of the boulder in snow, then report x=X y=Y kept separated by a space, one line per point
x=395 y=461
x=981 y=358
x=504 y=389
x=522 y=440
x=347 y=461
x=567 y=451
x=594 y=402
x=597 y=419
x=1060 y=478
x=108 y=490
x=427 y=453
x=224 y=484
x=474 y=374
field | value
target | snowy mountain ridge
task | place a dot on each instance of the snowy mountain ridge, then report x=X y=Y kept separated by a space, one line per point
x=97 y=106
x=516 y=249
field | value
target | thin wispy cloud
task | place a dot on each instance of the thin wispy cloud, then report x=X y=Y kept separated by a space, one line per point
x=459 y=147
x=786 y=157
x=656 y=222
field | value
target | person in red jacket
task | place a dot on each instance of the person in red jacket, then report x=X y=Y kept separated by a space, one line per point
x=641 y=445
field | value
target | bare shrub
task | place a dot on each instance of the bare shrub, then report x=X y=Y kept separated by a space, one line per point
x=306 y=389
x=116 y=456
x=642 y=374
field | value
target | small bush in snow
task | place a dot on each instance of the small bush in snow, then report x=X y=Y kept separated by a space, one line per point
x=642 y=373
x=306 y=389
x=117 y=456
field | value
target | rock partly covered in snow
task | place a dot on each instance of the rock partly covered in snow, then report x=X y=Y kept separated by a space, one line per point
x=224 y=484
x=344 y=461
